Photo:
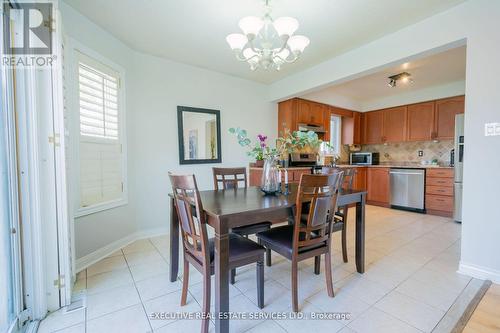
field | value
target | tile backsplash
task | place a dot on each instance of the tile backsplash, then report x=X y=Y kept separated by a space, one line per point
x=408 y=151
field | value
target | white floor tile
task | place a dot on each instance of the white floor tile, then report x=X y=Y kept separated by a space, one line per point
x=139 y=246
x=170 y=303
x=144 y=271
x=109 y=280
x=196 y=291
x=184 y=326
x=107 y=265
x=376 y=321
x=343 y=302
x=310 y=325
x=60 y=319
x=111 y=300
x=131 y=320
x=157 y=286
x=267 y=326
x=79 y=328
x=411 y=311
x=145 y=257
x=368 y=291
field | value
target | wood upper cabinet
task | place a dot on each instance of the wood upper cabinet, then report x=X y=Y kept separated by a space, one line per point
x=420 y=121
x=444 y=120
x=287 y=116
x=377 y=184
x=310 y=113
x=352 y=129
x=373 y=127
x=394 y=124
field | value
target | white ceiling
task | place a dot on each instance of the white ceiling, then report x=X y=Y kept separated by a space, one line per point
x=194 y=31
x=436 y=70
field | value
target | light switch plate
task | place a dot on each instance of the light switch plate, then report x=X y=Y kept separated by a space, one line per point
x=491 y=129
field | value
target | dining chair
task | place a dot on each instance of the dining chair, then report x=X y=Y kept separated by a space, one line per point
x=310 y=236
x=199 y=250
x=340 y=219
x=233 y=178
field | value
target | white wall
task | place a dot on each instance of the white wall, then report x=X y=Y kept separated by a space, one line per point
x=477 y=23
x=158 y=86
x=154 y=89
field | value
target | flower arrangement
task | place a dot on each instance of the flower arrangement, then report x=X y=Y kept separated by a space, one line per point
x=287 y=143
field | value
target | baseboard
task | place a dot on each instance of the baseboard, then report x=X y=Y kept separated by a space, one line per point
x=103 y=252
x=479 y=272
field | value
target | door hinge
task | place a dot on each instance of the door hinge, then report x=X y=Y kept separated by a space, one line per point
x=24 y=316
x=59 y=283
x=54 y=139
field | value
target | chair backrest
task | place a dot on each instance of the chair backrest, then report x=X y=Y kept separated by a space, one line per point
x=191 y=215
x=347 y=178
x=321 y=192
x=229 y=178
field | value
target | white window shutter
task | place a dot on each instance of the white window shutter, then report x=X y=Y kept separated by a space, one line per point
x=101 y=156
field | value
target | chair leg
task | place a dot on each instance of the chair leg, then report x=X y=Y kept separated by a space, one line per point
x=206 y=302
x=317 y=264
x=328 y=274
x=260 y=283
x=344 y=239
x=295 y=298
x=185 y=282
x=233 y=276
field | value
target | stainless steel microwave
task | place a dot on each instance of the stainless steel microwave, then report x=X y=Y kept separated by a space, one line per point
x=364 y=158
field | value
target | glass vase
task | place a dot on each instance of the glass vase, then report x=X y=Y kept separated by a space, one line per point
x=270 y=182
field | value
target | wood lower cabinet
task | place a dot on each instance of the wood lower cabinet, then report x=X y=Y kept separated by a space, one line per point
x=439 y=192
x=420 y=121
x=377 y=185
x=255 y=176
x=359 y=182
x=294 y=174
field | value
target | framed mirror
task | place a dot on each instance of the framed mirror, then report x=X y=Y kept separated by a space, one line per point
x=199 y=135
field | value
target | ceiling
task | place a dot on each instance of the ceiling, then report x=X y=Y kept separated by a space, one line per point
x=436 y=70
x=194 y=31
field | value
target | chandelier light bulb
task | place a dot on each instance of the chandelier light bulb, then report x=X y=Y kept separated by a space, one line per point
x=282 y=55
x=298 y=43
x=251 y=25
x=236 y=41
x=285 y=26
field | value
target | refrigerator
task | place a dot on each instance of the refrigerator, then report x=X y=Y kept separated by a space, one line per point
x=459 y=166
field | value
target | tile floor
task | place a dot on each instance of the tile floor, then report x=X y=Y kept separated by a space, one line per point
x=409 y=284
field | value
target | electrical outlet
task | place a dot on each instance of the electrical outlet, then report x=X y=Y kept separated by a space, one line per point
x=491 y=129
x=420 y=153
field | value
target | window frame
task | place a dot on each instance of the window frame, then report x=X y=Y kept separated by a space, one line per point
x=80 y=52
x=338 y=131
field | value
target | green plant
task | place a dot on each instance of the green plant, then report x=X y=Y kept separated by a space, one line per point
x=287 y=143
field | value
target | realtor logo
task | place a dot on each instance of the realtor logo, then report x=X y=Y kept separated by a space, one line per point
x=33 y=35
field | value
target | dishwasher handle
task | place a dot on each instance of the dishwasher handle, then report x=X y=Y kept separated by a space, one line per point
x=405 y=173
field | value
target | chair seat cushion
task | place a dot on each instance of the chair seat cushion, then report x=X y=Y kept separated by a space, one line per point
x=239 y=248
x=251 y=229
x=280 y=239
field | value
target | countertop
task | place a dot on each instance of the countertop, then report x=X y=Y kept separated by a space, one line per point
x=402 y=165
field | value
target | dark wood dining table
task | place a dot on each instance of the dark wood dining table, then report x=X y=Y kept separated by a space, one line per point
x=227 y=209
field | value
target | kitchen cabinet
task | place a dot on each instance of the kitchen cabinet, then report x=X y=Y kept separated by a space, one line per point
x=255 y=176
x=373 y=127
x=287 y=111
x=439 y=192
x=444 y=120
x=394 y=124
x=359 y=182
x=377 y=185
x=420 y=121
x=310 y=113
x=352 y=129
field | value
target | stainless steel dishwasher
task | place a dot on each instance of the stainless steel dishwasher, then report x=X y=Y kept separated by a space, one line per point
x=407 y=189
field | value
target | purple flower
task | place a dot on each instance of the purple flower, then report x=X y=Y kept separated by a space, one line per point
x=262 y=138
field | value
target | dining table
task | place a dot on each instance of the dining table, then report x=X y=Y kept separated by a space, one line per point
x=226 y=209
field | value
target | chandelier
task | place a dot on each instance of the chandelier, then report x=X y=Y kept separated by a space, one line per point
x=267 y=43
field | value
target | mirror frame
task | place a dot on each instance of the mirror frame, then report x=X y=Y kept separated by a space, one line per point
x=180 y=132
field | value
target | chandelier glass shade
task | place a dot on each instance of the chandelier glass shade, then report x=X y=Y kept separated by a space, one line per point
x=267 y=43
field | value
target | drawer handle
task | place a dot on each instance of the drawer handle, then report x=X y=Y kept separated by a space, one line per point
x=440 y=200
